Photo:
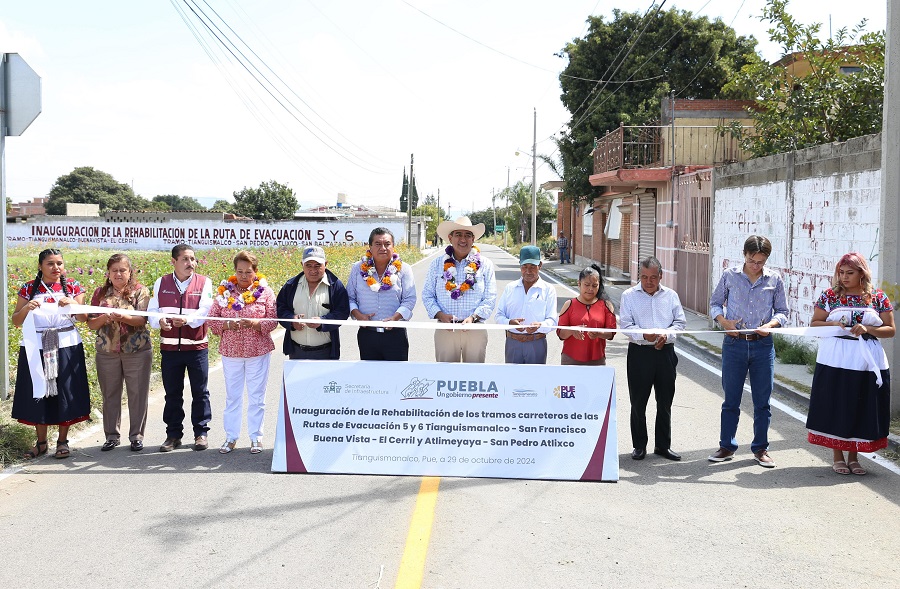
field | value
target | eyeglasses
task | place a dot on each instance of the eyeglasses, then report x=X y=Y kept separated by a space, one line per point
x=756 y=263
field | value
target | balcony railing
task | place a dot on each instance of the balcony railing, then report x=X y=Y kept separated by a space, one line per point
x=652 y=146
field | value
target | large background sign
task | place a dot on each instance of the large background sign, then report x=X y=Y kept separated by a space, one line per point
x=199 y=234
x=473 y=420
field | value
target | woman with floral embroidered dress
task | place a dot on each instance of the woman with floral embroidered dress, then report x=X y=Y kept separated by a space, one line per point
x=381 y=288
x=849 y=407
x=51 y=378
x=124 y=351
x=246 y=346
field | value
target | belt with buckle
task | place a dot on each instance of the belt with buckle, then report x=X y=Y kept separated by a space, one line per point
x=525 y=337
x=311 y=348
x=750 y=337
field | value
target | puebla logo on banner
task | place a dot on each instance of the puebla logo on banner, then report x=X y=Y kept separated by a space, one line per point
x=471 y=420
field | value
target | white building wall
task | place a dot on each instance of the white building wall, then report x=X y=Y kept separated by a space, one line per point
x=827 y=217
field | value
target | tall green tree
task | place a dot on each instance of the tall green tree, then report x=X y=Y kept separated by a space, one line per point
x=271 y=201
x=825 y=105
x=620 y=71
x=517 y=214
x=179 y=203
x=221 y=206
x=435 y=216
x=87 y=185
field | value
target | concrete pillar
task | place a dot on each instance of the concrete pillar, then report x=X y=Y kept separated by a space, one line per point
x=889 y=258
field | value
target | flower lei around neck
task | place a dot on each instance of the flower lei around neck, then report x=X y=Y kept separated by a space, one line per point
x=370 y=275
x=473 y=263
x=230 y=298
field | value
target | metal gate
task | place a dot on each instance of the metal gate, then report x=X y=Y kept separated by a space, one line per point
x=647 y=226
x=694 y=196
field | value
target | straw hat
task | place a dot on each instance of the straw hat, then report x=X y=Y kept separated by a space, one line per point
x=461 y=224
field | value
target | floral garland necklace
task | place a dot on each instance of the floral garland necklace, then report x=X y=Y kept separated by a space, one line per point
x=370 y=275
x=473 y=264
x=230 y=298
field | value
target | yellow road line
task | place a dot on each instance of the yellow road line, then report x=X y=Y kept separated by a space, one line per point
x=412 y=565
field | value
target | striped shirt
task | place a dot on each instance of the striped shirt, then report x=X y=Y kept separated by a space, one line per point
x=478 y=300
x=401 y=297
x=752 y=304
x=640 y=310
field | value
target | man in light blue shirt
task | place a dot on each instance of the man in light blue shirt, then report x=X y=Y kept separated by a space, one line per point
x=382 y=288
x=531 y=303
x=750 y=296
x=460 y=288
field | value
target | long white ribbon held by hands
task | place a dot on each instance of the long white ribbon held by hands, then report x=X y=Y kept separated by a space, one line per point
x=196 y=316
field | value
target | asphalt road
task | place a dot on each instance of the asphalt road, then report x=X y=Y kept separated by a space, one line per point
x=204 y=519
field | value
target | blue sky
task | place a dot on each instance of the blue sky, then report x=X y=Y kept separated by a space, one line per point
x=128 y=90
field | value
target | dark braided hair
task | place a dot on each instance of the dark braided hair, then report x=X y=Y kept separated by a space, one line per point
x=40 y=274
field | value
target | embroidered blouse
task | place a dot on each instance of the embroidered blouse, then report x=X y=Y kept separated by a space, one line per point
x=830 y=300
x=246 y=342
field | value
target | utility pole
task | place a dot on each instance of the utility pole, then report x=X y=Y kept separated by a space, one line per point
x=440 y=215
x=506 y=214
x=494 y=208
x=888 y=258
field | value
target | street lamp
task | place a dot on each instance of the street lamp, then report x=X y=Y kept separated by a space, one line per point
x=533 y=155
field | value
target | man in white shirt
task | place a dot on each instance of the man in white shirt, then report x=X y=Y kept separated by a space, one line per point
x=531 y=303
x=651 y=356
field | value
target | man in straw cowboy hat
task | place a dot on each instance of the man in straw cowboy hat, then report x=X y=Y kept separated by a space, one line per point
x=460 y=288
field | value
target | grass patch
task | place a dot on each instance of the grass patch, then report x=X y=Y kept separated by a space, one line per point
x=895 y=425
x=794 y=352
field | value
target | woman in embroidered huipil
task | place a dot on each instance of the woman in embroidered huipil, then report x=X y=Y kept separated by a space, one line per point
x=849 y=406
x=124 y=351
x=51 y=378
x=246 y=346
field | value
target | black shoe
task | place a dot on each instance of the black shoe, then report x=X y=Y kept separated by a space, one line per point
x=638 y=453
x=137 y=446
x=109 y=445
x=667 y=453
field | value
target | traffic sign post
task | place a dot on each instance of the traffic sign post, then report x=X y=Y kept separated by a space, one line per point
x=20 y=104
x=499 y=228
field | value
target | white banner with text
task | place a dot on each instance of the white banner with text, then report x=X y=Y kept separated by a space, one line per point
x=436 y=419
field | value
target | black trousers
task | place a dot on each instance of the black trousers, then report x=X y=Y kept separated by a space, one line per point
x=172 y=368
x=651 y=368
x=390 y=344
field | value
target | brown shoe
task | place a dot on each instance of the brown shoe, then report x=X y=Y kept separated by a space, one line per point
x=200 y=443
x=170 y=444
x=721 y=455
x=764 y=460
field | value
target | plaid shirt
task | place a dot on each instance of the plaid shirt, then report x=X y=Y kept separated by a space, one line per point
x=479 y=300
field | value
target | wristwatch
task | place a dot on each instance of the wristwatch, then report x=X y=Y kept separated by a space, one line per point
x=476 y=319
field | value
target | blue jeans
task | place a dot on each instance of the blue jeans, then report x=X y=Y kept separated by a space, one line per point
x=739 y=358
x=563 y=255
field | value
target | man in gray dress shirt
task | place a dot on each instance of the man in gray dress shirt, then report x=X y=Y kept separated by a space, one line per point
x=651 y=358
